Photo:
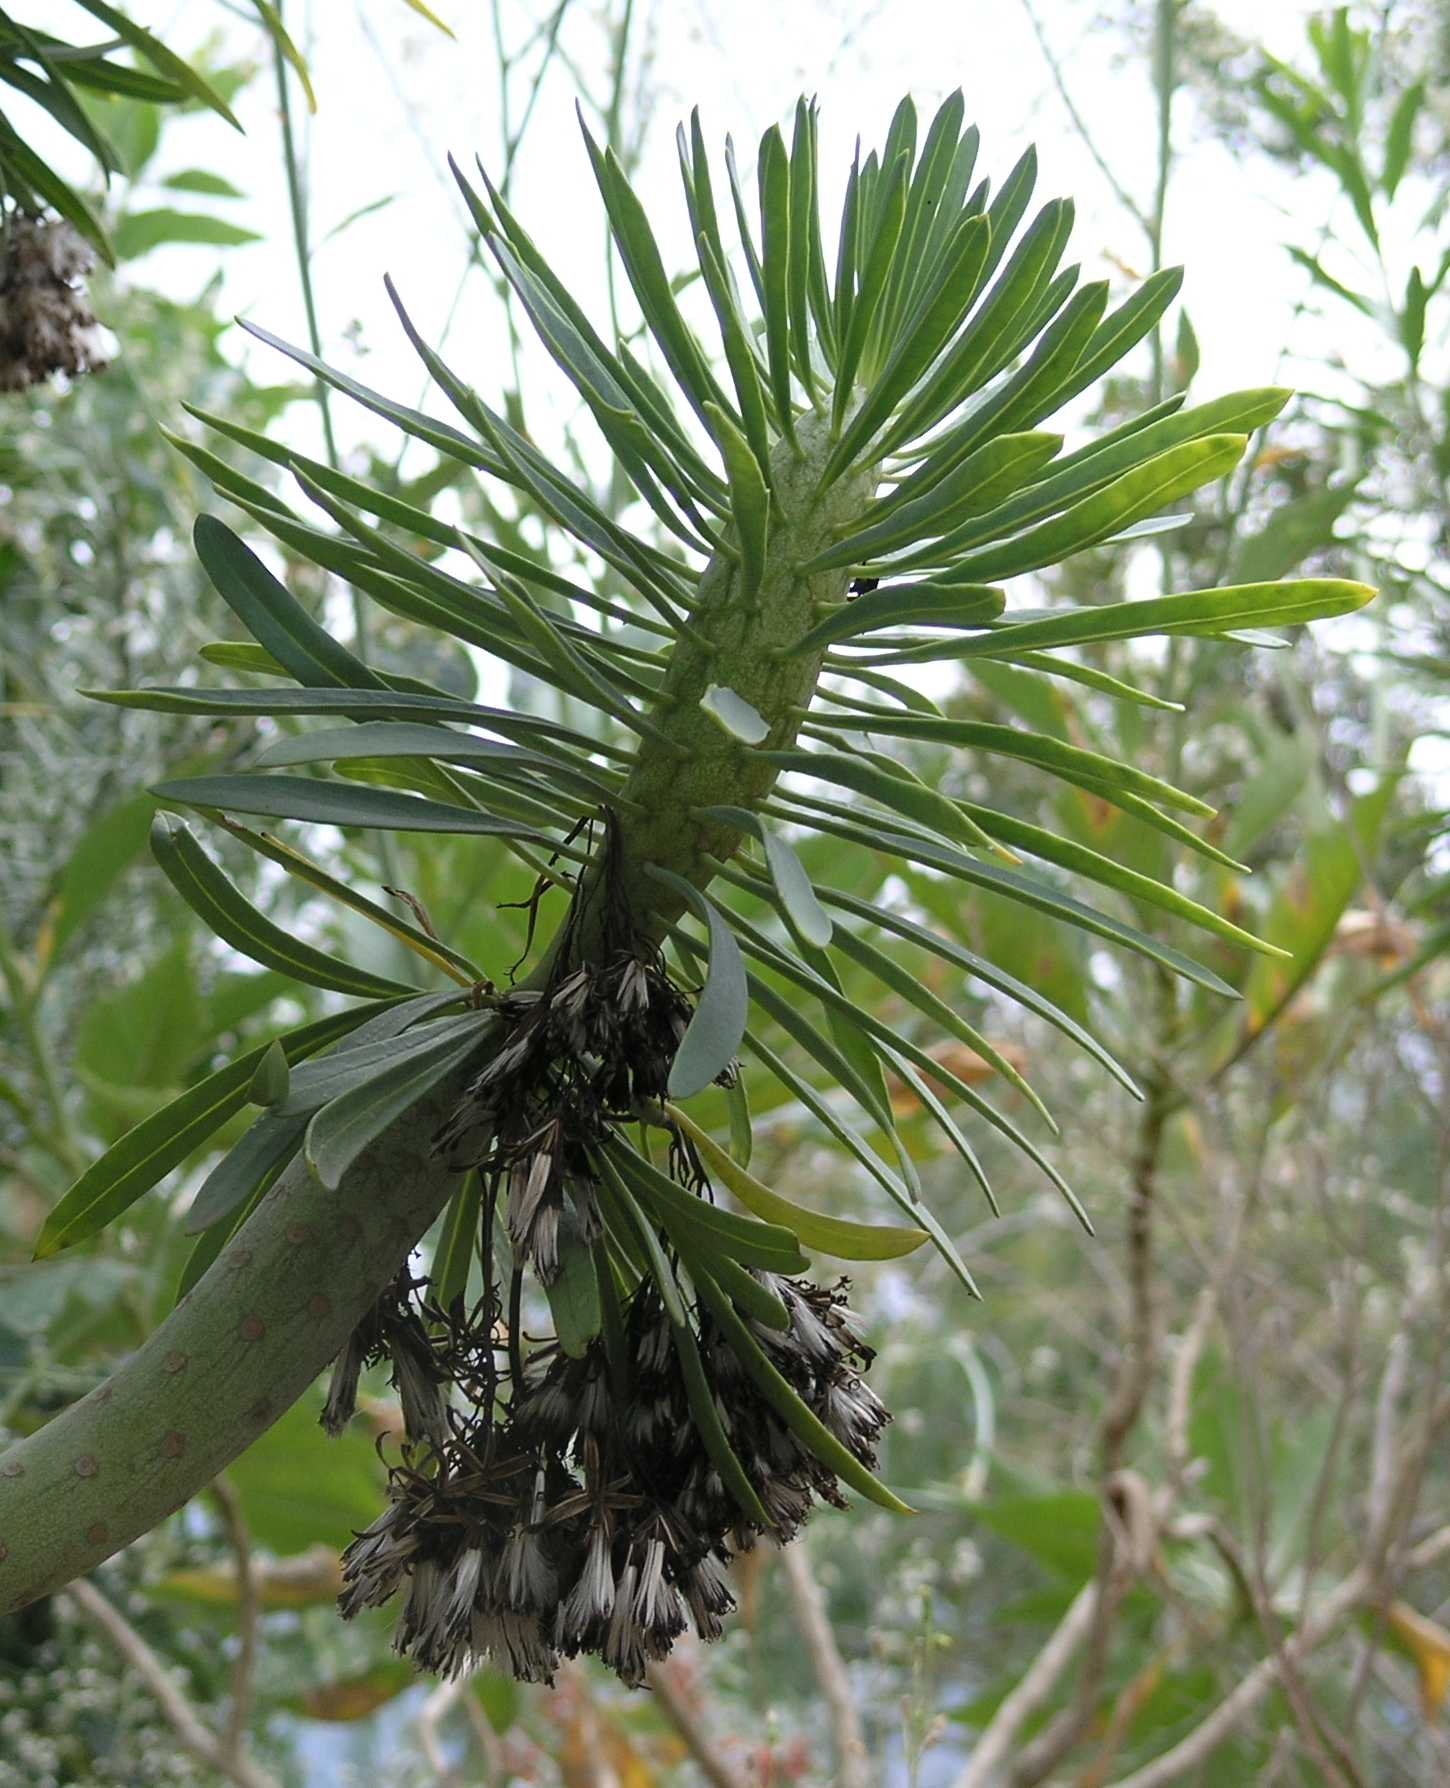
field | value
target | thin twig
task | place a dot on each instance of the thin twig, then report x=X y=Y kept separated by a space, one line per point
x=813 y=1619
x=676 y=1707
x=1054 y=67
x=430 y=1719
x=1031 y=1693
x=249 y=1609
x=191 y=1734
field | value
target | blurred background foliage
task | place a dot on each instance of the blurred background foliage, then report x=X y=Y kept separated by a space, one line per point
x=1245 y=1371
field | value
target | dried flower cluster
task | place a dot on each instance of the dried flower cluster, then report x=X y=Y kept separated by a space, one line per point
x=46 y=324
x=553 y=1502
x=586 y=1513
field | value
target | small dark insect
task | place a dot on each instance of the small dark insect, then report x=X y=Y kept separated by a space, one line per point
x=863 y=586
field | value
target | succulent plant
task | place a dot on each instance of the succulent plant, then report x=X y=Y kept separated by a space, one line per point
x=839 y=488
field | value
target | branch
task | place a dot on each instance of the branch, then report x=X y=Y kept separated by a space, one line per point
x=233 y=1356
x=249 y=1608
x=814 y=1621
x=191 y=1733
x=1032 y=1692
x=712 y=1766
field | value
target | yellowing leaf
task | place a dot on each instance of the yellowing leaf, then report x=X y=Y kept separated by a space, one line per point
x=1428 y=1643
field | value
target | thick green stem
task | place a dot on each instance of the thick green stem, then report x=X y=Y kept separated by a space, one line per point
x=283 y=1297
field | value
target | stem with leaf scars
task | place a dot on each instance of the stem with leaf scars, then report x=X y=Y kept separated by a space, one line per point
x=259 y=1326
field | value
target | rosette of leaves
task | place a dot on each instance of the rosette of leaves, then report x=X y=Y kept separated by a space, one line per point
x=842 y=477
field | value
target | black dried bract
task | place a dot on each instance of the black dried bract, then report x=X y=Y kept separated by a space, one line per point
x=582 y=1513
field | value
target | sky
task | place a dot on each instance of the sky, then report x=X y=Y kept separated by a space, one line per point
x=396 y=97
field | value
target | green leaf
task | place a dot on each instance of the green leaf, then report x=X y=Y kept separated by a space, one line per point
x=452 y=962
x=926 y=604
x=272 y=19
x=272 y=614
x=806 y=1426
x=1302 y=526
x=204 y=181
x=20 y=163
x=804 y=912
x=343 y=1128
x=453 y=1255
x=252 y=1163
x=836 y=1236
x=237 y=922
x=142 y=231
x=164 y=61
x=328 y=804
x=300 y=1488
x=270 y=1082
x=770 y=1246
x=909 y=797
x=1032 y=892
x=749 y=498
x=1191 y=611
x=573 y=1293
x=773 y=176
x=1094 y=519
x=706 y=1416
x=1399 y=139
x=712 y=1038
x=103 y=853
x=149 y=1150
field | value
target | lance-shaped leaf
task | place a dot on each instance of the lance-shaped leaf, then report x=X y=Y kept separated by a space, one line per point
x=923 y=604
x=149 y=1150
x=984 y=479
x=902 y=795
x=1290 y=603
x=773 y=177
x=629 y=224
x=234 y=919
x=876 y=272
x=457 y=1242
x=804 y=912
x=328 y=804
x=1030 y=890
x=1137 y=493
x=342 y=1129
x=272 y=614
x=370 y=739
x=706 y=1417
x=749 y=498
x=836 y=1236
x=166 y=62
x=712 y=1037
x=770 y=1246
x=1087 y=769
x=260 y=1155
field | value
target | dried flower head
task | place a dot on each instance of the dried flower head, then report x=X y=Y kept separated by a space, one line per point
x=46 y=324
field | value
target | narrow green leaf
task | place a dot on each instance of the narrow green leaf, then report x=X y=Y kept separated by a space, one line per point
x=328 y=804
x=339 y=1132
x=909 y=797
x=164 y=61
x=836 y=1236
x=749 y=498
x=270 y=1082
x=237 y=922
x=712 y=1037
x=149 y=1150
x=706 y=1417
x=804 y=912
x=573 y=1292
x=453 y=1255
x=926 y=603
x=260 y=1155
x=1285 y=604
